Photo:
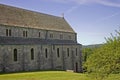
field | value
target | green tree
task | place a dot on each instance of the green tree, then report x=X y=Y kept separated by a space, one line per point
x=106 y=59
x=86 y=52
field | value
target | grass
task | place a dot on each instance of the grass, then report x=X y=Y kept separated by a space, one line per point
x=44 y=75
x=51 y=75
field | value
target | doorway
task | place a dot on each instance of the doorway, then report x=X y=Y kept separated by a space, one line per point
x=76 y=67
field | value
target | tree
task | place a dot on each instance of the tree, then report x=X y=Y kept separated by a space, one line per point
x=106 y=59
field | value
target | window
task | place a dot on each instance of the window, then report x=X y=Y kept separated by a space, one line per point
x=32 y=54
x=61 y=36
x=53 y=47
x=58 y=52
x=76 y=51
x=15 y=55
x=8 y=32
x=69 y=37
x=46 y=53
x=68 y=52
x=25 y=34
x=39 y=34
x=51 y=35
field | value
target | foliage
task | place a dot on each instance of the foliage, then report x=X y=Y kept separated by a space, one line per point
x=106 y=59
x=86 y=52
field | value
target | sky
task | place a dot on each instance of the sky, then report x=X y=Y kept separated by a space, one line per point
x=92 y=20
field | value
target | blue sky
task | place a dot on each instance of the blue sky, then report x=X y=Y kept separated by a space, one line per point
x=91 y=19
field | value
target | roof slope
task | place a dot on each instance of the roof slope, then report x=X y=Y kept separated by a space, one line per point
x=24 y=18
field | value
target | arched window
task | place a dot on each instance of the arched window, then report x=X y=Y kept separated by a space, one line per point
x=39 y=34
x=9 y=32
x=15 y=55
x=51 y=35
x=69 y=37
x=32 y=54
x=23 y=33
x=61 y=36
x=26 y=34
x=6 y=32
x=58 y=52
x=46 y=53
x=76 y=51
x=68 y=52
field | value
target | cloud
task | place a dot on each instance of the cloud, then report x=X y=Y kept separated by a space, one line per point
x=109 y=3
x=71 y=9
x=110 y=16
x=112 y=3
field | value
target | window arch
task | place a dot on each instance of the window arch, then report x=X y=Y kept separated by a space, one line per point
x=69 y=37
x=39 y=34
x=15 y=55
x=51 y=35
x=32 y=54
x=61 y=36
x=76 y=52
x=58 y=52
x=46 y=53
x=68 y=53
x=25 y=33
x=8 y=32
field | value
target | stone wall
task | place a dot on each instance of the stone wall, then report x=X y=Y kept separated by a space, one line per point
x=40 y=61
x=37 y=33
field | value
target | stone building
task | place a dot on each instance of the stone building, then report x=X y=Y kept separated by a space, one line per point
x=35 y=41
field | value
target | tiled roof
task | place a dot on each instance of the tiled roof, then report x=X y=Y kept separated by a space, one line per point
x=31 y=41
x=24 y=18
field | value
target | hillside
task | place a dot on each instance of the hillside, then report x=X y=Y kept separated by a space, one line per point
x=92 y=46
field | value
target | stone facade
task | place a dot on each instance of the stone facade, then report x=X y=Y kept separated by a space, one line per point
x=31 y=48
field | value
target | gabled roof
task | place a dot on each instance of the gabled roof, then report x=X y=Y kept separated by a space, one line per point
x=24 y=18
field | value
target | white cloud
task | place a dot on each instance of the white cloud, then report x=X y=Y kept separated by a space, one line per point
x=110 y=16
x=113 y=3
x=109 y=3
x=71 y=9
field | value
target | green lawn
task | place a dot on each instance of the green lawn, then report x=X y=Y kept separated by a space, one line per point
x=51 y=75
